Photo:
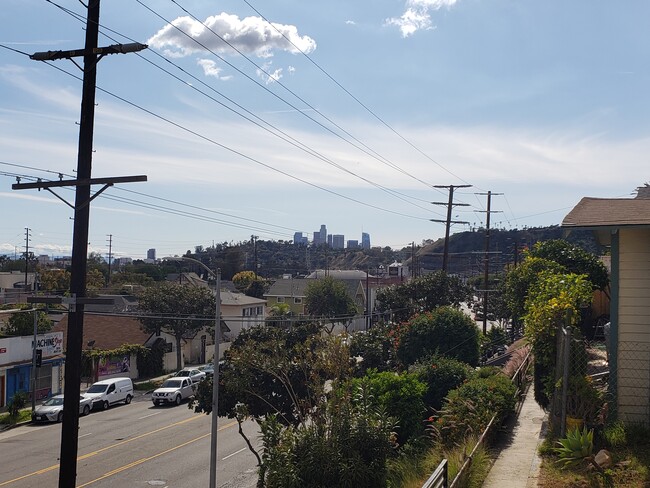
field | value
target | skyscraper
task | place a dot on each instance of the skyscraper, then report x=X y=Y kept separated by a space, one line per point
x=151 y=254
x=365 y=240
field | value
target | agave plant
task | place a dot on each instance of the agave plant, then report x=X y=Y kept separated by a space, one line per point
x=578 y=445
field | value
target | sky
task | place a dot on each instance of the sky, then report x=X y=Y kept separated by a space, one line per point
x=269 y=118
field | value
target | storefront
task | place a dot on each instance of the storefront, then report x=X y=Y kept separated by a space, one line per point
x=16 y=366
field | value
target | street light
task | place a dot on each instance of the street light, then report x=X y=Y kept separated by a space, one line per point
x=215 y=376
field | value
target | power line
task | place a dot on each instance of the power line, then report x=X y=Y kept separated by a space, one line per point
x=371 y=112
x=365 y=149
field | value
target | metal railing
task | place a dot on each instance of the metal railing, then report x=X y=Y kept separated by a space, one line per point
x=439 y=477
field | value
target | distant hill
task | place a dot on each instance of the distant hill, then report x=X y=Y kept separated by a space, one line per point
x=467 y=249
x=466 y=252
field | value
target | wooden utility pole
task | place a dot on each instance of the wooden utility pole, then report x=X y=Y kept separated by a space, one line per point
x=486 y=270
x=450 y=205
x=74 y=342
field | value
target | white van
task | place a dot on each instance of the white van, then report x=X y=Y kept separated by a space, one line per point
x=108 y=392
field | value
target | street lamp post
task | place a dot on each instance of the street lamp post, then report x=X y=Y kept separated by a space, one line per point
x=215 y=376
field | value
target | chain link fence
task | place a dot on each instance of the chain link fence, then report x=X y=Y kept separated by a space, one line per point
x=591 y=387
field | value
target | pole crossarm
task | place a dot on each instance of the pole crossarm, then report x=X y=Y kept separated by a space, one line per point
x=84 y=182
x=107 y=182
x=453 y=204
x=99 y=51
x=450 y=221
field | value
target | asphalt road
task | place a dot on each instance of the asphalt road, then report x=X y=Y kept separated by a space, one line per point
x=136 y=445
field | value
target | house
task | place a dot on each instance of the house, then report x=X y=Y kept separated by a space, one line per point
x=239 y=312
x=292 y=291
x=623 y=225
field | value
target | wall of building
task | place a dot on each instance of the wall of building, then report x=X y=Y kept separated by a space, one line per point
x=633 y=358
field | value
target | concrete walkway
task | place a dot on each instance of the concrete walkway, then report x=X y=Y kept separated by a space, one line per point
x=517 y=464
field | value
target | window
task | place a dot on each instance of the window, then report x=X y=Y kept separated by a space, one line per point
x=297 y=300
x=260 y=310
x=280 y=299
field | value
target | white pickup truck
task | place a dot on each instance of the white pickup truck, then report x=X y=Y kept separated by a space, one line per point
x=173 y=390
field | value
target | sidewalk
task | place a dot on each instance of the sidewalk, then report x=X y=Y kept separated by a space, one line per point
x=517 y=464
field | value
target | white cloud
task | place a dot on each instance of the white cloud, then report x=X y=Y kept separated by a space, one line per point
x=350 y=22
x=210 y=68
x=251 y=35
x=417 y=15
x=267 y=75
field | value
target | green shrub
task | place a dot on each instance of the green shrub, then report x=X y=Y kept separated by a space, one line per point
x=575 y=447
x=443 y=331
x=614 y=434
x=16 y=404
x=468 y=409
x=401 y=396
x=441 y=375
x=348 y=446
x=375 y=349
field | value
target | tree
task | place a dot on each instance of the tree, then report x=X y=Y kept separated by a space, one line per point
x=22 y=323
x=179 y=310
x=422 y=295
x=520 y=279
x=279 y=315
x=55 y=280
x=280 y=374
x=328 y=298
x=95 y=280
x=554 y=300
x=574 y=259
x=243 y=279
x=443 y=331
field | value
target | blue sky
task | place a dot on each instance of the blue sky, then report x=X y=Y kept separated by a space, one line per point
x=359 y=109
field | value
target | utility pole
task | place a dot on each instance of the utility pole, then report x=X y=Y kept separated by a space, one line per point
x=486 y=270
x=254 y=241
x=450 y=205
x=110 y=256
x=26 y=255
x=92 y=54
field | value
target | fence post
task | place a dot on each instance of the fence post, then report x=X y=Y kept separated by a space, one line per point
x=566 y=340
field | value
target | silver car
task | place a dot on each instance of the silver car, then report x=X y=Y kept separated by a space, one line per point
x=194 y=374
x=173 y=390
x=52 y=409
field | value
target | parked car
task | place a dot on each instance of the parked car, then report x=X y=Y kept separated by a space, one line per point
x=51 y=410
x=173 y=390
x=194 y=374
x=208 y=369
x=105 y=393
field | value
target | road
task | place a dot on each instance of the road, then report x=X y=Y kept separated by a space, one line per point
x=131 y=445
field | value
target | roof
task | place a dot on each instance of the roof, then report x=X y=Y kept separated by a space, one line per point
x=339 y=274
x=609 y=212
x=187 y=278
x=231 y=298
x=108 y=332
x=288 y=288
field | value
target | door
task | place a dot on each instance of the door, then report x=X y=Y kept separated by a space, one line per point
x=2 y=391
x=202 y=355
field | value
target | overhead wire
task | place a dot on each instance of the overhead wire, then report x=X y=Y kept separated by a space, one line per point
x=356 y=99
x=365 y=149
x=394 y=192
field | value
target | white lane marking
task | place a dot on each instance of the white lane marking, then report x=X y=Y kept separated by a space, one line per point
x=150 y=415
x=236 y=452
x=84 y=435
